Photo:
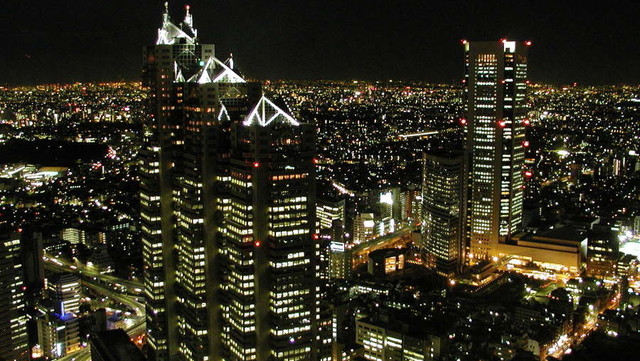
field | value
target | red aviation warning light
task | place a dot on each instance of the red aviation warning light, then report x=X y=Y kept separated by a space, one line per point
x=315 y=236
x=528 y=43
x=502 y=123
x=526 y=122
x=463 y=121
x=464 y=41
x=257 y=243
x=526 y=144
x=528 y=174
x=256 y=164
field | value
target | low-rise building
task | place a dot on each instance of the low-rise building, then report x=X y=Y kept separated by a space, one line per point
x=384 y=338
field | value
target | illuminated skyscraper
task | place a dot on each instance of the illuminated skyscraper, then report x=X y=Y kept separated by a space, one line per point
x=495 y=79
x=13 y=318
x=228 y=212
x=442 y=197
x=270 y=309
x=175 y=57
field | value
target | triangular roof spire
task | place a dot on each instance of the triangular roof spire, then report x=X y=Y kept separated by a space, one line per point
x=177 y=72
x=223 y=114
x=227 y=75
x=187 y=23
x=165 y=15
x=169 y=32
x=266 y=112
x=207 y=73
x=188 y=18
x=230 y=63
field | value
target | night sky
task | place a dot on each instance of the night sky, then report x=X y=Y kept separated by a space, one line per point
x=101 y=40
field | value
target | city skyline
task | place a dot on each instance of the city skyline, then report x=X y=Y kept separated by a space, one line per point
x=573 y=42
x=202 y=213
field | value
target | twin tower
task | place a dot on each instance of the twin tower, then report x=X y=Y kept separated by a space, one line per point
x=227 y=213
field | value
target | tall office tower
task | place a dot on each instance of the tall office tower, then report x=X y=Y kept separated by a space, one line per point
x=270 y=308
x=13 y=318
x=228 y=213
x=442 y=217
x=31 y=244
x=169 y=65
x=495 y=79
x=31 y=247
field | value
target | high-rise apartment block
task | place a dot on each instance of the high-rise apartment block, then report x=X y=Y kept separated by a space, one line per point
x=228 y=213
x=58 y=335
x=495 y=77
x=443 y=212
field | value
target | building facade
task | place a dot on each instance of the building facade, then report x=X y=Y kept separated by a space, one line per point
x=328 y=211
x=442 y=197
x=384 y=339
x=65 y=292
x=495 y=78
x=228 y=213
x=603 y=252
x=13 y=335
x=364 y=227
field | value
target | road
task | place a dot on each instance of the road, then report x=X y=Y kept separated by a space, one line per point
x=90 y=278
x=590 y=325
x=382 y=241
x=126 y=300
x=61 y=265
x=399 y=238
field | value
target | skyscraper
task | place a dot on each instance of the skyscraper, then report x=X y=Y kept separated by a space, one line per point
x=13 y=318
x=228 y=212
x=175 y=55
x=270 y=311
x=495 y=80
x=442 y=197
